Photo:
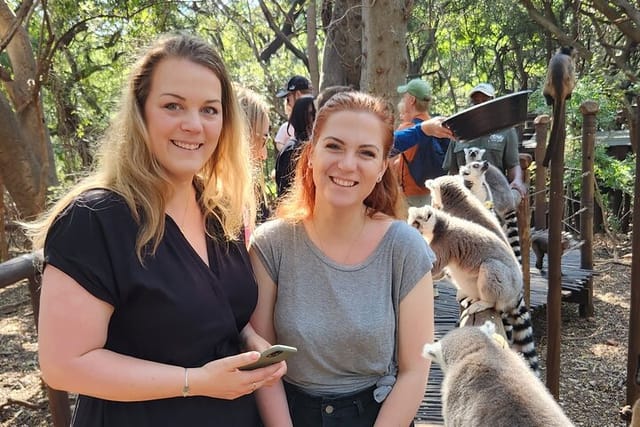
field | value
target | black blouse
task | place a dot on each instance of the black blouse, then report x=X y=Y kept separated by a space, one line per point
x=173 y=309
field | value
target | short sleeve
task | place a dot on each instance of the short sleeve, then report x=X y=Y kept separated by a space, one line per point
x=417 y=258
x=266 y=240
x=511 y=154
x=77 y=244
x=449 y=158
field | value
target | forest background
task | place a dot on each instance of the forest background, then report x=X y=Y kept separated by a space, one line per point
x=63 y=62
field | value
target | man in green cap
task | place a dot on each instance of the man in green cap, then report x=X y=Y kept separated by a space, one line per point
x=416 y=100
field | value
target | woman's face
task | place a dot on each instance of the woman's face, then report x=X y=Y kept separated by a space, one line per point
x=348 y=158
x=183 y=114
x=259 y=140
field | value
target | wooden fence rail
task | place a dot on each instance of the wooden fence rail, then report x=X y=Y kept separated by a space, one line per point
x=28 y=267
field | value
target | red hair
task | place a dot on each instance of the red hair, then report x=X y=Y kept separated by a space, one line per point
x=384 y=197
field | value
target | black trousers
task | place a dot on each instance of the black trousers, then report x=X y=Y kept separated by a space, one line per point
x=354 y=410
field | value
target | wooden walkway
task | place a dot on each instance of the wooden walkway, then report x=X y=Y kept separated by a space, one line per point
x=446 y=318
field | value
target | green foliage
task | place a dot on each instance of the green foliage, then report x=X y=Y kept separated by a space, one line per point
x=453 y=44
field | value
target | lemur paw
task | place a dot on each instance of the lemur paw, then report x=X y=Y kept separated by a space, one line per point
x=465 y=302
x=476 y=307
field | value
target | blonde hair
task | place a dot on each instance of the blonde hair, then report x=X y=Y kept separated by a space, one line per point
x=126 y=165
x=256 y=112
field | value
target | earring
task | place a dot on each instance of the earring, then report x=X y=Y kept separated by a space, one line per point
x=309 y=164
x=379 y=178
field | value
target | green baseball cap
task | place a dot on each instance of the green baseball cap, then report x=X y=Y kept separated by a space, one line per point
x=418 y=88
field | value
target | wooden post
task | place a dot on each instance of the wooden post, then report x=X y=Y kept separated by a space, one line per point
x=554 y=276
x=541 y=124
x=4 y=245
x=589 y=109
x=478 y=319
x=633 y=360
x=524 y=229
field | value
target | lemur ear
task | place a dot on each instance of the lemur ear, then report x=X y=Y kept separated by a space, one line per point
x=429 y=184
x=431 y=350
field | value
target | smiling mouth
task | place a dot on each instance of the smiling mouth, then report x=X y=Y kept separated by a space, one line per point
x=186 y=145
x=343 y=182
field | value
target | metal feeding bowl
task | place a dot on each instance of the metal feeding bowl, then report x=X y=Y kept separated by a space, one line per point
x=489 y=117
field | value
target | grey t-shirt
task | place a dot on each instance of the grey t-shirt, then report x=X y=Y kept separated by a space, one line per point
x=340 y=317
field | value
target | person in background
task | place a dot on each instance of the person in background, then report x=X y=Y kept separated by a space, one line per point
x=302 y=117
x=328 y=92
x=501 y=147
x=296 y=87
x=147 y=289
x=402 y=112
x=427 y=154
x=257 y=113
x=357 y=302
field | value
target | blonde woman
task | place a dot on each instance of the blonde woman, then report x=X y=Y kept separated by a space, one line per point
x=147 y=290
x=258 y=123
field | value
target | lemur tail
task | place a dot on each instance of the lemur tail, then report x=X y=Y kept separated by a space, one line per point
x=510 y=227
x=522 y=333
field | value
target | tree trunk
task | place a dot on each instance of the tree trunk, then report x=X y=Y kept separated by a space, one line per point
x=26 y=157
x=384 y=52
x=342 y=54
x=312 y=47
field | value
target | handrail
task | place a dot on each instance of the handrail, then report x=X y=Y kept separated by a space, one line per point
x=19 y=268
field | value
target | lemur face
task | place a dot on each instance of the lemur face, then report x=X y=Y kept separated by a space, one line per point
x=423 y=219
x=473 y=170
x=473 y=154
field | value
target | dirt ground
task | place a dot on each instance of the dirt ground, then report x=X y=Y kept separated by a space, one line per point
x=593 y=351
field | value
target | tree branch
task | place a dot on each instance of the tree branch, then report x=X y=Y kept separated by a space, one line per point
x=549 y=25
x=282 y=35
x=615 y=17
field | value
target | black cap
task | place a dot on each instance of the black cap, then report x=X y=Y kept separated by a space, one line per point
x=294 y=83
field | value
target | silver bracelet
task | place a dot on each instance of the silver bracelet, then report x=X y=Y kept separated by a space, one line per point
x=185 y=388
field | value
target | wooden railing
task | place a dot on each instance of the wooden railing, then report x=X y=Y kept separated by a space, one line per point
x=28 y=267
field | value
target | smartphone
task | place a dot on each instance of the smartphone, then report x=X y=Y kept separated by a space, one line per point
x=273 y=354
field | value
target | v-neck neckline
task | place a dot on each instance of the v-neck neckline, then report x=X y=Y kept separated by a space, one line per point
x=186 y=242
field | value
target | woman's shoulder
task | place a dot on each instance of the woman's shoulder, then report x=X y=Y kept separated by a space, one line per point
x=405 y=237
x=101 y=203
x=274 y=228
x=92 y=215
x=100 y=198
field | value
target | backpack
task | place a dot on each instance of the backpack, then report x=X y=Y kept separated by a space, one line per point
x=428 y=159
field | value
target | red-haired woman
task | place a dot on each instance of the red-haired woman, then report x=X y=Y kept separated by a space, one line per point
x=344 y=281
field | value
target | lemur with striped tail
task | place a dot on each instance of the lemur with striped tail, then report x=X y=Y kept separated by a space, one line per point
x=491 y=187
x=478 y=259
x=449 y=194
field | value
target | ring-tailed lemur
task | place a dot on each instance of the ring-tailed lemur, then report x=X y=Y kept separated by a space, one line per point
x=540 y=244
x=473 y=154
x=486 y=384
x=483 y=268
x=449 y=194
x=488 y=184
